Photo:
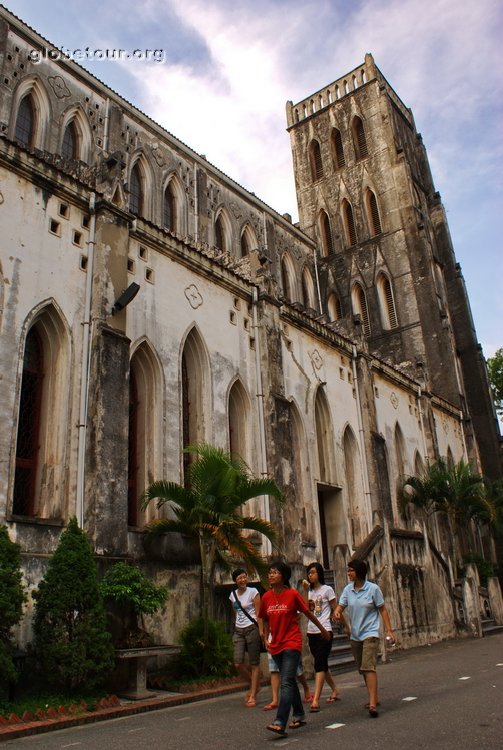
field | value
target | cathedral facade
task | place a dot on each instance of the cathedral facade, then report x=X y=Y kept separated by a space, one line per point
x=148 y=302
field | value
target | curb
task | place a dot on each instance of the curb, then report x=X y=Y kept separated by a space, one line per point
x=25 y=729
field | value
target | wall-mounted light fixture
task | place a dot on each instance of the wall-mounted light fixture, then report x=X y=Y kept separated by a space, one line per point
x=126 y=297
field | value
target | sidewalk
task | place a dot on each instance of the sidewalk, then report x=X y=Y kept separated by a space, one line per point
x=24 y=728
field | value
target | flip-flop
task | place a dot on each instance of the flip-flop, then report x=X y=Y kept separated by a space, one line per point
x=314 y=709
x=270 y=707
x=309 y=698
x=297 y=723
x=333 y=698
x=373 y=712
x=251 y=703
x=276 y=729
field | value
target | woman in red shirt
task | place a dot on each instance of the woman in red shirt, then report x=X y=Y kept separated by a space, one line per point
x=279 y=610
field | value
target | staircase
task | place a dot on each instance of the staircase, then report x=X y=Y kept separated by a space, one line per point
x=489 y=627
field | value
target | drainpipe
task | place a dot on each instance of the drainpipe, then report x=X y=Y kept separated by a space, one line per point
x=260 y=404
x=361 y=434
x=196 y=206
x=86 y=362
x=106 y=125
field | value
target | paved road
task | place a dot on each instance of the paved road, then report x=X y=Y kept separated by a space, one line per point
x=443 y=697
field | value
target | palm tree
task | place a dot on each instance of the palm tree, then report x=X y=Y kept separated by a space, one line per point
x=454 y=490
x=208 y=509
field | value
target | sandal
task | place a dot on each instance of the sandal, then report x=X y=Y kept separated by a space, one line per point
x=373 y=712
x=314 y=708
x=296 y=723
x=270 y=707
x=333 y=698
x=309 y=698
x=276 y=729
x=250 y=703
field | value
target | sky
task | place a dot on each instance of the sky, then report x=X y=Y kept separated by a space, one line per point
x=229 y=66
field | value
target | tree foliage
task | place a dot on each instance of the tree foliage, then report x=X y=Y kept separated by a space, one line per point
x=127 y=585
x=72 y=645
x=209 y=509
x=495 y=371
x=12 y=597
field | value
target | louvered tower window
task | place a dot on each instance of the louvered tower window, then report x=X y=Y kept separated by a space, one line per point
x=373 y=214
x=338 y=150
x=349 y=222
x=316 y=162
x=25 y=122
x=326 y=234
x=69 y=146
x=359 y=138
x=334 y=307
x=245 y=245
x=387 y=302
x=361 y=308
x=220 y=235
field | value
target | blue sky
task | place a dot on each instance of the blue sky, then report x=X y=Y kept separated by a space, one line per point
x=230 y=66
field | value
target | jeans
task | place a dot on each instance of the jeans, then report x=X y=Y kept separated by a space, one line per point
x=289 y=696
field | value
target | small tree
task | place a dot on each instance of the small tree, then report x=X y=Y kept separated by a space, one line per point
x=12 y=597
x=495 y=372
x=72 y=645
x=134 y=596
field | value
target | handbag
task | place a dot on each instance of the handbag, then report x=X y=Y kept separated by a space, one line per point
x=263 y=649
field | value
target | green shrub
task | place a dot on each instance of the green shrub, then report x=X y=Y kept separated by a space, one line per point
x=72 y=646
x=128 y=587
x=12 y=597
x=200 y=659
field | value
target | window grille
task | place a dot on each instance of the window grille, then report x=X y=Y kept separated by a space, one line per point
x=136 y=192
x=389 y=302
x=69 y=146
x=169 y=209
x=25 y=122
x=28 y=426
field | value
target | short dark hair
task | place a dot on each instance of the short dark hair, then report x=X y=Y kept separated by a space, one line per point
x=238 y=572
x=282 y=568
x=319 y=569
x=360 y=567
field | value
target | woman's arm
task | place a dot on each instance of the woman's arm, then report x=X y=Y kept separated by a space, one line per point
x=324 y=633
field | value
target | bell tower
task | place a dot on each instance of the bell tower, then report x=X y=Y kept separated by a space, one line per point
x=387 y=268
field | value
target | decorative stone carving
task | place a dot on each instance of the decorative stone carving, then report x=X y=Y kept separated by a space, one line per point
x=59 y=87
x=394 y=400
x=316 y=359
x=193 y=295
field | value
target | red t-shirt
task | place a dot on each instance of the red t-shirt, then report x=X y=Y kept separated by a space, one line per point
x=281 y=612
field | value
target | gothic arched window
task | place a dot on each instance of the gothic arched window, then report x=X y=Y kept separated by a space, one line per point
x=25 y=122
x=315 y=161
x=69 y=147
x=136 y=191
x=359 y=138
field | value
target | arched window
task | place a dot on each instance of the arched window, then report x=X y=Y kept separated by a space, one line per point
x=308 y=289
x=354 y=486
x=195 y=396
x=145 y=429
x=327 y=244
x=238 y=411
x=324 y=438
x=25 y=122
x=287 y=278
x=28 y=438
x=170 y=209
x=386 y=301
x=359 y=139
x=248 y=241
x=133 y=457
x=315 y=161
x=136 y=193
x=69 y=147
x=337 y=149
x=222 y=232
x=360 y=307
x=374 y=219
x=334 y=307
x=349 y=222
x=40 y=459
